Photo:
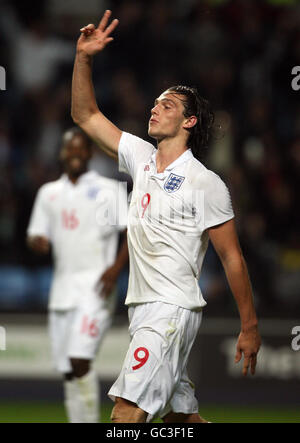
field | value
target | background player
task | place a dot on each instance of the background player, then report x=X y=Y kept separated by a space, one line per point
x=68 y=215
x=166 y=255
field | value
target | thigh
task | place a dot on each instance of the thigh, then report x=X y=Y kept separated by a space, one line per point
x=183 y=399
x=59 y=323
x=152 y=367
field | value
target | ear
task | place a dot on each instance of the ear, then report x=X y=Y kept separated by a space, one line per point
x=190 y=122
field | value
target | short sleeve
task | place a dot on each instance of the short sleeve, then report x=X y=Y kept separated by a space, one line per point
x=39 y=223
x=132 y=152
x=217 y=203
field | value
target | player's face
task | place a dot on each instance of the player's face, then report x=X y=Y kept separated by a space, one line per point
x=166 y=116
x=75 y=155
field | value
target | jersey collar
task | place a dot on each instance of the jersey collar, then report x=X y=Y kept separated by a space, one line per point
x=83 y=178
x=184 y=157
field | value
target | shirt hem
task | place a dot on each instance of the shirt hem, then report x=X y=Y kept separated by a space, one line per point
x=181 y=305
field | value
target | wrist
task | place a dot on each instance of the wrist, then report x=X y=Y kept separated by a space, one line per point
x=249 y=326
x=82 y=55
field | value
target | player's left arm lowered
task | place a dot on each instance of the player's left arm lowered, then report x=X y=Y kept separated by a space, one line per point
x=225 y=241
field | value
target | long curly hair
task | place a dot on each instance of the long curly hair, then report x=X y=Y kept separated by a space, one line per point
x=196 y=105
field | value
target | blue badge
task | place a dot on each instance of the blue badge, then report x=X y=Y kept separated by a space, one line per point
x=173 y=183
x=93 y=192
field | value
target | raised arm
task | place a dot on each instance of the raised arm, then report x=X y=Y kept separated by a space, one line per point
x=85 y=111
x=226 y=244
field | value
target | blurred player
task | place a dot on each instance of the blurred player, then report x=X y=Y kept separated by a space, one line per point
x=177 y=206
x=68 y=215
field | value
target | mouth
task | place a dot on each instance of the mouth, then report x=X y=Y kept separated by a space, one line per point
x=75 y=162
x=152 y=121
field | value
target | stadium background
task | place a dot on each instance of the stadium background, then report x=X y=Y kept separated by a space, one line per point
x=240 y=54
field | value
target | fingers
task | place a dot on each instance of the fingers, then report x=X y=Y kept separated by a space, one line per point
x=87 y=30
x=253 y=364
x=107 y=30
x=246 y=366
x=238 y=355
x=106 y=291
x=108 y=40
x=104 y=20
x=89 y=27
x=107 y=286
x=249 y=362
x=112 y=27
x=102 y=287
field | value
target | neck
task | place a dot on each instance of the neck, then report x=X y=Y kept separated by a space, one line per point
x=75 y=177
x=168 y=151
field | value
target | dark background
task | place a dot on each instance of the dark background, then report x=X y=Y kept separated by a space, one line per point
x=239 y=53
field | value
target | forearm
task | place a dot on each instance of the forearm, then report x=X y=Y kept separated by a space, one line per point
x=238 y=278
x=84 y=103
x=85 y=111
x=110 y=276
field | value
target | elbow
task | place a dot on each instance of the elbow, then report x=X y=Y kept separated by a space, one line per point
x=76 y=118
x=82 y=119
x=78 y=114
x=79 y=121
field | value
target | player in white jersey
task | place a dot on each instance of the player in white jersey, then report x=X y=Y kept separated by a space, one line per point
x=70 y=215
x=177 y=206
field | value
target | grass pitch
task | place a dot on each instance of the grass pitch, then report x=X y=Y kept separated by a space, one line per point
x=37 y=412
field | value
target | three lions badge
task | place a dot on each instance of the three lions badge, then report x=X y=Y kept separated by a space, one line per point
x=173 y=183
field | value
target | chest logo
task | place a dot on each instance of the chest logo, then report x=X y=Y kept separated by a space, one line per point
x=173 y=183
x=92 y=193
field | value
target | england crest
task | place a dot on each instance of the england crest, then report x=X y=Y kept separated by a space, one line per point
x=173 y=183
x=93 y=192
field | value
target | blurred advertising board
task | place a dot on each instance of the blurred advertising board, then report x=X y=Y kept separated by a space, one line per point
x=213 y=370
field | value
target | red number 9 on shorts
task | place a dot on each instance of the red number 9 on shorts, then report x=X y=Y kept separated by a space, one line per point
x=142 y=360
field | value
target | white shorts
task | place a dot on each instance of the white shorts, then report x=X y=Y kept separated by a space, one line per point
x=154 y=374
x=78 y=332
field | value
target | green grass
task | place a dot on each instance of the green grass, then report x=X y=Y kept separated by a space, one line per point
x=54 y=413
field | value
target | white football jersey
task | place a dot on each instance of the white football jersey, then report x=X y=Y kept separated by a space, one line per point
x=168 y=219
x=82 y=222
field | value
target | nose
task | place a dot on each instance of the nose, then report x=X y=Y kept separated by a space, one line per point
x=154 y=110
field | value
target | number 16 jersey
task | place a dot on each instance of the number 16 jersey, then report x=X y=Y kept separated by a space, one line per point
x=82 y=222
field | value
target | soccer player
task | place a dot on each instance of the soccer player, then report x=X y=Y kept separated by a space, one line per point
x=70 y=214
x=177 y=206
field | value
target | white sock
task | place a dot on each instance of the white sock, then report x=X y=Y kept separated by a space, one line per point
x=72 y=402
x=89 y=397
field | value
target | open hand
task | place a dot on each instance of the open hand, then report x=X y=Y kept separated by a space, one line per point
x=94 y=40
